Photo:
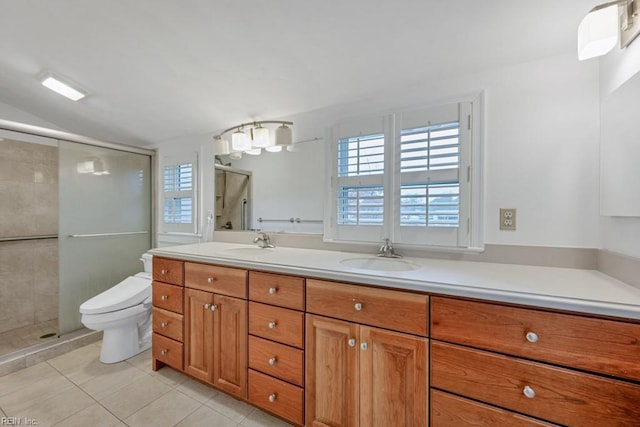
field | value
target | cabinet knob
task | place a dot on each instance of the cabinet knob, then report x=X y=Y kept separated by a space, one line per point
x=164 y=297
x=529 y=392
x=207 y=306
x=164 y=352
x=214 y=307
x=273 y=291
x=352 y=342
x=164 y=271
x=271 y=325
x=364 y=346
x=532 y=336
x=358 y=306
x=272 y=361
x=272 y=397
x=210 y=279
x=163 y=324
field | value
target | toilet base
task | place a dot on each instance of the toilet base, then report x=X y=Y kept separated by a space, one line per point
x=120 y=344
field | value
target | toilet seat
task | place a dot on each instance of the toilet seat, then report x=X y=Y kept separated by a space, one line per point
x=128 y=293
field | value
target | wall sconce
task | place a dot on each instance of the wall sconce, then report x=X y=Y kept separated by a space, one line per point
x=600 y=30
x=254 y=139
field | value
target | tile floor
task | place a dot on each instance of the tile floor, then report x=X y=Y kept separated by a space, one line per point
x=75 y=389
x=17 y=339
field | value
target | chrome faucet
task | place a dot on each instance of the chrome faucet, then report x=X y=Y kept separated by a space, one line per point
x=263 y=240
x=387 y=251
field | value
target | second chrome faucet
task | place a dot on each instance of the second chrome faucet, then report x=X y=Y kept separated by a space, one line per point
x=387 y=251
x=263 y=240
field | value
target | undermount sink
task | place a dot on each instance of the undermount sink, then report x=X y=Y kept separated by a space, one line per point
x=249 y=251
x=380 y=264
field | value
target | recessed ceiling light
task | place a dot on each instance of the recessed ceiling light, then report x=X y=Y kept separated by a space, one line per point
x=65 y=89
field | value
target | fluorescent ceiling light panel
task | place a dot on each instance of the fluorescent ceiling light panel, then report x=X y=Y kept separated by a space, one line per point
x=56 y=85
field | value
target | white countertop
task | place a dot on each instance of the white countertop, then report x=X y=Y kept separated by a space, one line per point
x=587 y=291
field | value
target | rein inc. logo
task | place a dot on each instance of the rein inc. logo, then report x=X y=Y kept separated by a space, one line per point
x=18 y=421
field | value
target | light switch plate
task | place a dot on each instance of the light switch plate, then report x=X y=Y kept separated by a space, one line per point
x=507 y=219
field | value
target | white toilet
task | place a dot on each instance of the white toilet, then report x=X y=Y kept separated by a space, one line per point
x=124 y=314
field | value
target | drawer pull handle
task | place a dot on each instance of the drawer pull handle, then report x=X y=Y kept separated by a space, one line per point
x=272 y=361
x=273 y=291
x=214 y=307
x=164 y=352
x=532 y=337
x=272 y=325
x=164 y=271
x=164 y=297
x=273 y=397
x=358 y=306
x=163 y=324
x=207 y=306
x=364 y=346
x=529 y=392
x=210 y=279
x=352 y=342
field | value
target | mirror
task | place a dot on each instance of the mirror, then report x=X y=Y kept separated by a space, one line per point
x=233 y=198
x=620 y=151
x=287 y=189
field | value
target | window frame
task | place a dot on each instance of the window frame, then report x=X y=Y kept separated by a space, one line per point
x=180 y=227
x=468 y=236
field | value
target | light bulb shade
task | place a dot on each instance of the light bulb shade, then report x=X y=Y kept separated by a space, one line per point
x=254 y=151
x=240 y=141
x=261 y=137
x=221 y=147
x=598 y=32
x=284 y=136
x=235 y=155
x=274 y=149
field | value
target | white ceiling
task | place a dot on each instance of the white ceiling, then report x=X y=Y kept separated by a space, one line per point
x=161 y=69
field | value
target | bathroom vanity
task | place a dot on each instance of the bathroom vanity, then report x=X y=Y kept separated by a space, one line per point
x=323 y=338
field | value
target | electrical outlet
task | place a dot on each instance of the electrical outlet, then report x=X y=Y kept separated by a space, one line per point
x=507 y=219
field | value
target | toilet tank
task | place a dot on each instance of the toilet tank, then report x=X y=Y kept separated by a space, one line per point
x=147 y=260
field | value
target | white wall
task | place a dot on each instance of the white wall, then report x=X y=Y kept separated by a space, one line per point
x=619 y=234
x=541 y=147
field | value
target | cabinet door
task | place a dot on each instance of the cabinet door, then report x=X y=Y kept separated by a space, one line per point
x=331 y=372
x=198 y=340
x=230 y=345
x=393 y=378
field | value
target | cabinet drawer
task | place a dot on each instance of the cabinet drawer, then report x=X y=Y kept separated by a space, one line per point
x=606 y=346
x=167 y=351
x=448 y=410
x=213 y=278
x=277 y=360
x=277 y=324
x=555 y=394
x=276 y=396
x=277 y=289
x=168 y=297
x=397 y=310
x=168 y=323
x=168 y=270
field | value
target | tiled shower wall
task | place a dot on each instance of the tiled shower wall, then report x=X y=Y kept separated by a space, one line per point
x=28 y=207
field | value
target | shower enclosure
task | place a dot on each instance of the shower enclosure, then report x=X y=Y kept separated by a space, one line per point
x=74 y=219
x=233 y=198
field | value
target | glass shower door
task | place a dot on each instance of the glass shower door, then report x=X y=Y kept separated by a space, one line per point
x=104 y=222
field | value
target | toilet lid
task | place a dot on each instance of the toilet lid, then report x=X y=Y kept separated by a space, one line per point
x=131 y=291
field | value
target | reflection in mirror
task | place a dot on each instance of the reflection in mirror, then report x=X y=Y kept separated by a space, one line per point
x=233 y=198
x=286 y=185
x=620 y=151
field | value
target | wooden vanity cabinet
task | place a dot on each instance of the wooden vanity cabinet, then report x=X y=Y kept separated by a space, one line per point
x=361 y=375
x=524 y=360
x=216 y=327
x=167 y=292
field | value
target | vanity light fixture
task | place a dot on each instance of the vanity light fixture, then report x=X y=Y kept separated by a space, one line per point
x=605 y=24
x=56 y=84
x=254 y=139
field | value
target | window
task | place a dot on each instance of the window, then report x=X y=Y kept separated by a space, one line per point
x=178 y=187
x=407 y=176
